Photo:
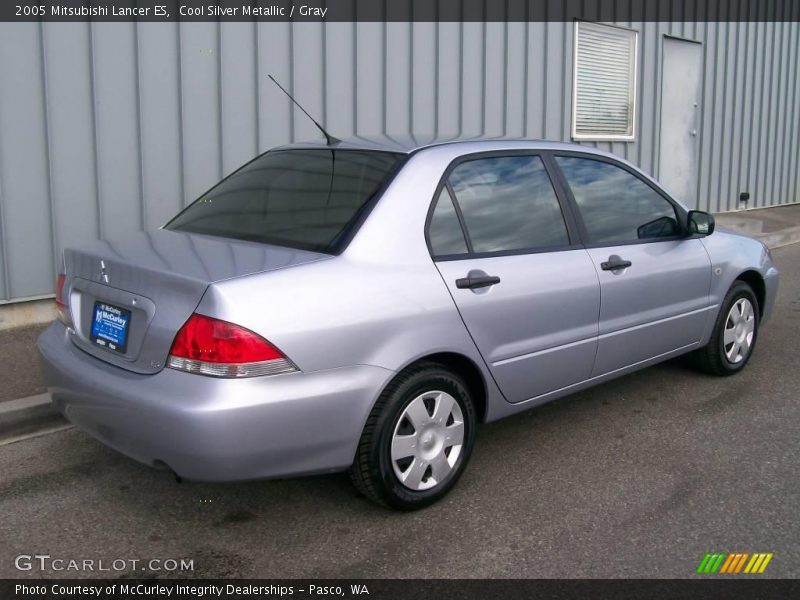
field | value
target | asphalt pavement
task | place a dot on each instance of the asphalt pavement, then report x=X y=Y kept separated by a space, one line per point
x=639 y=477
x=19 y=358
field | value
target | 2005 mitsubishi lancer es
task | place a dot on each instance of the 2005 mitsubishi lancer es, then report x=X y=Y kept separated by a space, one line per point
x=365 y=304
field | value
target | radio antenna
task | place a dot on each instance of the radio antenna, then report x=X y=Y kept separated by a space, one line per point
x=330 y=140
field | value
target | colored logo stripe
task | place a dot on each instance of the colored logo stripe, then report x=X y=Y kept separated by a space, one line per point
x=758 y=563
x=733 y=562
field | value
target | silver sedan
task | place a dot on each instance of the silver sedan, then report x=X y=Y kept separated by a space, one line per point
x=364 y=305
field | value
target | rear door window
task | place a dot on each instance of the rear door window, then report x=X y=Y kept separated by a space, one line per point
x=445 y=232
x=309 y=198
x=508 y=204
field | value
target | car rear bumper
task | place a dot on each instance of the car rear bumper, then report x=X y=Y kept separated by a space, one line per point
x=210 y=429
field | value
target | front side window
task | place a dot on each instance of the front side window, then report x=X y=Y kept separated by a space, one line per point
x=615 y=205
x=508 y=204
x=307 y=199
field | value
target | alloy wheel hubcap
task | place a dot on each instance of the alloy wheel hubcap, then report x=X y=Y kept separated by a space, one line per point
x=740 y=327
x=427 y=440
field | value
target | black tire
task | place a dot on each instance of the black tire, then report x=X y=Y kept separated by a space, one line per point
x=712 y=358
x=372 y=471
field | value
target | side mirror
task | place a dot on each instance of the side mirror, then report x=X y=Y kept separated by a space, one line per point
x=700 y=223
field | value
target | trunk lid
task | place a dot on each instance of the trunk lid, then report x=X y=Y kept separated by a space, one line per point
x=149 y=283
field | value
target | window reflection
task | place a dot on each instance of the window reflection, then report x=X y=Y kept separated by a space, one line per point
x=445 y=231
x=508 y=204
x=306 y=198
x=617 y=206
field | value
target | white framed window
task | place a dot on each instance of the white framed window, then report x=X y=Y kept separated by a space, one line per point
x=604 y=82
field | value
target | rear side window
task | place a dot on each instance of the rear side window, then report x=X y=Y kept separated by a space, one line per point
x=616 y=206
x=508 y=204
x=307 y=199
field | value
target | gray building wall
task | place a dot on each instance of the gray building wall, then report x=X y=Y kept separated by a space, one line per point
x=107 y=128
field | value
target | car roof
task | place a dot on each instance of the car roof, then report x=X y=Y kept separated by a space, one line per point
x=407 y=143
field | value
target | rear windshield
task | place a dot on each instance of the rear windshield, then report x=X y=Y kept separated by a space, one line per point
x=307 y=199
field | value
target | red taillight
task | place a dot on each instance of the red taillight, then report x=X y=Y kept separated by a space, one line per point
x=213 y=347
x=60 y=289
x=62 y=310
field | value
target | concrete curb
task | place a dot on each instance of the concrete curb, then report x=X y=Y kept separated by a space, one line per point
x=27 y=417
x=29 y=312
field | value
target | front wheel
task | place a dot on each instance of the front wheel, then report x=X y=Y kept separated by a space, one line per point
x=417 y=440
x=735 y=333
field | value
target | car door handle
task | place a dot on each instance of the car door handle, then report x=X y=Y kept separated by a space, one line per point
x=472 y=283
x=615 y=262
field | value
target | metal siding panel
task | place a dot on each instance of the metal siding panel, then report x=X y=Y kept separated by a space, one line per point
x=27 y=244
x=275 y=110
x=725 y=107
x=778 y=96
x=159 y=106
x=71 y=131
x=535 y=80
x=340 y=78
x=199 y=56
x=397 y=69
x=147 y=150
x=736 y=122
x=554 y=82
x=715 y=74
x=783 y=118
x=792 y=158
x=762 y=120
x=473 y=77
x=238 y=92
x=771 y=106
x=449 y=81
x=117 y=128
x=787 y=77
x=567 y=45
x=494 y=88
x=308 y=79
x=370 y=90
x=515 y=79
x=748 y=168
x=655 y=123
x=646 y=117
x=423 y=82
x=794 y=171
x=794 y=155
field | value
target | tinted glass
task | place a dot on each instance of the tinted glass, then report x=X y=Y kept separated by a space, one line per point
x=445 y=233
x=300 y=198
x=508 y=203
x=617 y=206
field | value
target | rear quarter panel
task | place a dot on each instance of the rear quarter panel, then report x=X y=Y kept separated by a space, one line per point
x=381 y=303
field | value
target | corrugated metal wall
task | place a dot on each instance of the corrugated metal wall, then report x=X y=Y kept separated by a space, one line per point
x=112 y=127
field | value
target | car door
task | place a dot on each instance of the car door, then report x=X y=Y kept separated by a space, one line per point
x=654 y=280
x=526 y=290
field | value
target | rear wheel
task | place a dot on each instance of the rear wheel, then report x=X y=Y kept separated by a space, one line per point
x=735 y=333
x=417 y=440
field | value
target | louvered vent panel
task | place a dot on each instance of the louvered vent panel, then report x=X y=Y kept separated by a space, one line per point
x=604 y=82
